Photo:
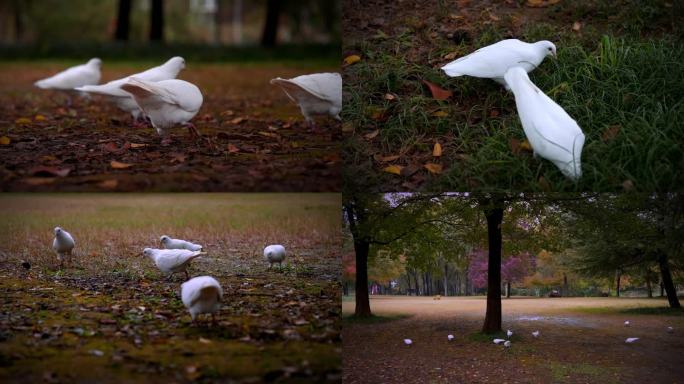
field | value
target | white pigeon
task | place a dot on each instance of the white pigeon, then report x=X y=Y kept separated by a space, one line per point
x=408 y=341
x=124 y=100
x=499 y=341
x=274 y=254
x=507 y=344
x=509 y=333
x=626 y=323
x=202 y=295
x=670 y=330
x=552 y=133
x=494 y=60
x=535 y=333
x=171 y=261
x=74 y=77
x=170 y=243
x=167 y=102
x=316 y=94
x=450 y=337
x=63 y=244
x=631 y=339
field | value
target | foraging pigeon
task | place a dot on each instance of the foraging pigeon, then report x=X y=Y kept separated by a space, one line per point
x=202 y=295
x=494 y=60
x=316 y=94
x=450 y=337
x=63 y=244
x=123 y=99
x=78 y=76
x=499 y=341
x=535 y=333
x=507 y=343
x=274 y=254
x=171 y=261
x=408 y=341
x=166 y=102
x=626 y=323
x=509 y=333
x=631 y=339
x=552 y=133
x=670 y=330
x=170 y=243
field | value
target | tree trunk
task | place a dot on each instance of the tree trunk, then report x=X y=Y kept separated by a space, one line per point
x=649 y=286
x=662 y=289
x=345 y=289
x=362 y=301
x=667 y=281
x=270 y=35
x=123 y=20
x=157 y=21
x=446 y=270
x=618 y=275
x=492 y=321
x=465 y=278
x=565 y=286
x=415 y=279
x=508 y=289
x=408 y=283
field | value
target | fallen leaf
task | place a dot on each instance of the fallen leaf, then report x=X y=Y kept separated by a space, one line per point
x=440 y=113
x=371 y=136
x=540 y=3
x=494 y=17
x=178 y=157
x=494 y=113
x=389 y=96
x=433 y=168
x=395 y=169
x=49 y=171
x=451 y=56
x=544 y=184
x=385 y=159
x=40 y=118
x=4 y=140
x=347 y=127
x=576 y=26
x=136 y=146
x=23 y=120
x=237 y=120
x=110 y=147
x=610 y=133
x=525 y=146
x=118 y=165
x=515 y=145
x=233 y=148
x=437 y=150
x=108 y=184
x=351 y=59
x=204 y=341
x=438 y=93
x=628 y=185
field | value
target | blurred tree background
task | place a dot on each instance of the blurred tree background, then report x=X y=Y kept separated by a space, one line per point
x=30 y=28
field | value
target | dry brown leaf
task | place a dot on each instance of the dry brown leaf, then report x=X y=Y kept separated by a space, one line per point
x=371 y=136
x=544 y=184
x=525 y=146
x=389 y=96
x=118 y=165
x=515 y=145
x=233 y=148
x=437 y=150
x=40 y=118
x=610 y=133
x=576 y=26
x=395 y=169
x=385 y=159
x=440 y=113
x=237 y=120
x=269 y=134
x=628 y=185
x=108 y=184
x=204 y=341
x=494 y=113
x=23 y=120
x=438 y=93
x=136 y=146
x=451 y=56
x=351 y=59
x=4 y=140
x=494 y=17
x=541 y=3
x=433 y=168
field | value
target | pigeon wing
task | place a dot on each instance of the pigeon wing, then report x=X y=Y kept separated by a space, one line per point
x=149 y=95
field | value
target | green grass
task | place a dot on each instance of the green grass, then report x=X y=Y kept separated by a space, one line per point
x=620 y=82
x=566 y=373
x=666 y=311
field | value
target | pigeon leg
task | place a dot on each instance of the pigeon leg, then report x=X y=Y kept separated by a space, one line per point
x=194 y=133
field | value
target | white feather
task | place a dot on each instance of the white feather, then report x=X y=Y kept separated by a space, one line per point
x=316 y=94
x=170 y=243
x=171 y=260
x=78 y=76
x=631 y=339
x=201 y=294
x=499 y=341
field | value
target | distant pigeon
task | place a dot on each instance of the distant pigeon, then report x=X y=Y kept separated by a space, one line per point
x=499 y=341
x=69 y=79
x=552 y=133
x=170 y=243
x=507 y=344
x=535 y=333
x=509 y=333
x=670 y=330
x=63 y=244
x=631 y=339
x=202 y=295
x=408 y=341
x=627 y=323
x=494 y=60
x=123 y=99
x=274 y=254
x=171 y=261
x=316 y=94
x=167 y=102
x=450 y=337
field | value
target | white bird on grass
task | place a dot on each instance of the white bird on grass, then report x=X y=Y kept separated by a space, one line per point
x=171 y=261
x=170 y=243
x=63 y=244
x=509 y=333
x=74 y=77
x=494 y=60
x=316 y=94
x=626 y=323
x=167 y=102
x=450 y=337
x=499 y=341
x=124 y=100
x=202 y=295
x=408 y=341
x=275 y=254
x=535 y=333
x=552 y=133
x=670 y=330
x=631 y=339
x=507 y=344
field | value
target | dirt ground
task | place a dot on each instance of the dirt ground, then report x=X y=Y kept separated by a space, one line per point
x=575 y=345
x=259 y=141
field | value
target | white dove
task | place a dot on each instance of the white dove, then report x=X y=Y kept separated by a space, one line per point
x=670 y=330
x=552 y=133
x=112 y=90
x=78 y=76
x=494 y=60
x=202 y=295
x=166 y=102
x=535 y=333
x=170 y=243
x=171 y=261
x=63 y=244
x=509 y=333
x=316 y=94
x=499 y=341
x=507 y=344
x=631 y=339
x=450 y=337
x=274 y=254
x=626 y=323
x=408 y=341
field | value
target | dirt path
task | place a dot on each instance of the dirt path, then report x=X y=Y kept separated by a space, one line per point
x=574 y=347
x=259 y=141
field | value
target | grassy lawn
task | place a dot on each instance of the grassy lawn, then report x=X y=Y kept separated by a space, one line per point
x=116 y=314
x=620 y=77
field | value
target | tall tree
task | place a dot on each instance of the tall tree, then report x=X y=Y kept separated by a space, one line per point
x=493 y=211
x=157 y=21
x=123 y=20
x=270 y=35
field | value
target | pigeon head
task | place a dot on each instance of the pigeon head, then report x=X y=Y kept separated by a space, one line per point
x=548 y=47
x=58 y=230
x=95 y=62
x=164 y=239
x=175 y=64
x=149 y=252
